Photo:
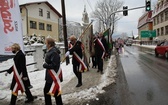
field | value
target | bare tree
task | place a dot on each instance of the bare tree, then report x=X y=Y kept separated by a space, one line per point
x=104 y=12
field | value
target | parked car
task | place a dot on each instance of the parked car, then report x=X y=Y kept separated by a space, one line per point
x=162 y=49
x=128 y=43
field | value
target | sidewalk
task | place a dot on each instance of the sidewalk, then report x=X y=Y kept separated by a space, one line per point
x=93 y=84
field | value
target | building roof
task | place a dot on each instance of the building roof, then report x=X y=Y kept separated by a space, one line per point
x=145 y=18
x=46 y=2
x=161 y=6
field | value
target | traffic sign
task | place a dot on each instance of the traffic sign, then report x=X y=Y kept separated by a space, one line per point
x=148 y=34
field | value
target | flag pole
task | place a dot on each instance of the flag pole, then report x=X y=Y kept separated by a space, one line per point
x=106 y=30
x=85 y=30
x=81 y=36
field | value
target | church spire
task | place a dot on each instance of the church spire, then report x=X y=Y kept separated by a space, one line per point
x=84 y=8
x=85 y=17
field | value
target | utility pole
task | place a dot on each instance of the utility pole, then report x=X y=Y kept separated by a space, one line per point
x=64 y=29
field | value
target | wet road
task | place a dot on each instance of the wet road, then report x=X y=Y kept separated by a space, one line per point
x=146 y=76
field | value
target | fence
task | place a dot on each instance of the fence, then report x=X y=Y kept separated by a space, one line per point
x=148 y=42
x=5 y=57
x=37 y=51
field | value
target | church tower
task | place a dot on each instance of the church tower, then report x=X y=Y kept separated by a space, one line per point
x=86 y=39
x=85 y=17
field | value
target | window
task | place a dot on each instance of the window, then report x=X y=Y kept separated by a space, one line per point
x=158 y=33
x=48 y=14
x=20 y=10
x=40 y=12
x=49 y=27
x=154 y=21
x=166 y=30
x=162 y=4
x=165 y=43
x=162 y=30
x=166 y=15
x=33 y=25
x=161 y=17
x=157 y=19
x=41 y=26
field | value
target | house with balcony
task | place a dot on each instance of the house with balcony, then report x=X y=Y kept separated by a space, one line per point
x=41 y=19
x=160 y=19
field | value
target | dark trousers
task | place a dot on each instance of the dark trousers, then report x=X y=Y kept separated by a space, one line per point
x=28 y=94
x=94 y=61
x=47 y=97
x=77 y=73
x=100 y=63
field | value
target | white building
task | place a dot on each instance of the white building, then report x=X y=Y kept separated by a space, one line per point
x=160 y=19
x=40 y=18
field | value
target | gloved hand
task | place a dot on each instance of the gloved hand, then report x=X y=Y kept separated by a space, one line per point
x=45 y=65
x=25 y=78
x=67 y=53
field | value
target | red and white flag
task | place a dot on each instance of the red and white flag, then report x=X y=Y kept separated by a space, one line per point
x=10 y=26
x=56 y=85
x=19 y=83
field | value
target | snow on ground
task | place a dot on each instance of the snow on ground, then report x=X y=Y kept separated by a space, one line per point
x=37 y=80
x=106 y=79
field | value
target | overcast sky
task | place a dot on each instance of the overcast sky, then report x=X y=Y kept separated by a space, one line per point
x=74 y=10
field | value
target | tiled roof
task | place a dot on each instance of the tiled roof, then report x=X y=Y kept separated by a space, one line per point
x=47 y=3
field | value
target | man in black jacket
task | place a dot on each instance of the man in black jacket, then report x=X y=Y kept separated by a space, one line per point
x=76 y=51
x=52 y=63
x=100 y=51
x=20 y=72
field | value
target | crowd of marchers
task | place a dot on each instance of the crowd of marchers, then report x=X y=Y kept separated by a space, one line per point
x=53 y=74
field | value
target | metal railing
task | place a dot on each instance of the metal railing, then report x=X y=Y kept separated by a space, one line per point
x=6 y=57
x=148 y=42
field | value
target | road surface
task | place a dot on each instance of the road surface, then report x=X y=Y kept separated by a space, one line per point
x=146 y=76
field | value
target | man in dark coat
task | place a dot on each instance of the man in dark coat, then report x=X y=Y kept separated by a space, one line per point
x=76 y=51
x=52 y=62
x=20 y=67
x=100 y=51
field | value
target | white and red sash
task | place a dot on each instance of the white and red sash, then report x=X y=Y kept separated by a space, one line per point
x=19 y=83
x=82 y=66
x=102 y=47
x=56 y=85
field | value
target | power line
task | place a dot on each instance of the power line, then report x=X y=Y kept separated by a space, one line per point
x=90 y=5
